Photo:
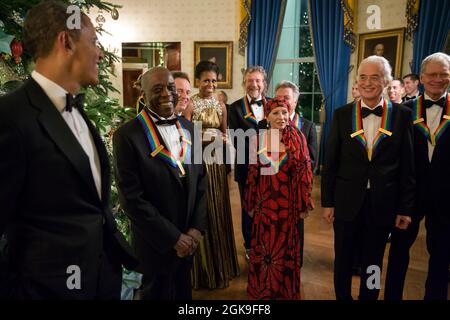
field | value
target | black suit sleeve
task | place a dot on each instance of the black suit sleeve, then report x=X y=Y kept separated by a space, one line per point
x=407 y=168
x=160 y=233
x=312 y=143
x=331 y=163
x=12 y=171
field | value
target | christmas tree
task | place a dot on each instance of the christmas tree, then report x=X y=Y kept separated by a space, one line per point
x=16 y=66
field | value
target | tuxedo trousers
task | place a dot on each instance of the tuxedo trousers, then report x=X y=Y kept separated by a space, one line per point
x=348 y=235
x=438 y=246
x=401 y=243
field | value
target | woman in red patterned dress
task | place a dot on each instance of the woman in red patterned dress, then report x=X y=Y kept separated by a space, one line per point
x=278 y=194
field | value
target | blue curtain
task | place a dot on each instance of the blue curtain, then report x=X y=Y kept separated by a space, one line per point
x=263 y=33
x=332 y=58
x=431 y=33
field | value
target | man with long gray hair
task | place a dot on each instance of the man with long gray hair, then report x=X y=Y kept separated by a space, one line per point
x=368 y=178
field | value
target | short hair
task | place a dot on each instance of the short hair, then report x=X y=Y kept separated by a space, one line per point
x=145 y=78
x=290 y=85
x=438 y=57
x=180 y=74
x=42 y=24
x=399 y=80
x=383 y=63
x=413 y=76
x=205 y=66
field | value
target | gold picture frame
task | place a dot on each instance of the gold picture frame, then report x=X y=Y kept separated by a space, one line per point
x=220 y=52
x=387 y=43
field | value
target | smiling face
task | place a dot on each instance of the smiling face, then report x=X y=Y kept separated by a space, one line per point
x=435 y=79
x=183 y=90
x=395 y=91
x=254 y=84
x=278 y=118
x=207 y=83
x=160 y=92
x=371 y=82
x=411 y=86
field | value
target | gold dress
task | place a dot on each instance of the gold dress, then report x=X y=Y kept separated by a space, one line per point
x=215 y=261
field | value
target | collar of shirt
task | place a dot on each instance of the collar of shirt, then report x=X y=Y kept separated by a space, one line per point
x=427 y=97
x=250 y=99
x=291 y=116
x=364 y=105
x=161 y=118
x=55 y=92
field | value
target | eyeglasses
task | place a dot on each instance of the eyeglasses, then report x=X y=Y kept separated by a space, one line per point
x=437 y=75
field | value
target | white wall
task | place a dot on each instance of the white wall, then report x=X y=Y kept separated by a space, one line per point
x=182 y=21
x=392 y=17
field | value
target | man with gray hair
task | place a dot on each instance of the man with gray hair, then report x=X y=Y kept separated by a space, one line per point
x=368 y=178
x=431 y=119
x=245 y=114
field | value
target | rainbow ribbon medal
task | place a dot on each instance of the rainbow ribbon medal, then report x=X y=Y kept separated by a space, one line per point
x=419 y=120
x=384 y=130
x=266 y=158
x=297 y=121
x=248 y=114
x=158 y=150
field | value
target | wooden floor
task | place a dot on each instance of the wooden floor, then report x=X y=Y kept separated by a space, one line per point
x=317 y=270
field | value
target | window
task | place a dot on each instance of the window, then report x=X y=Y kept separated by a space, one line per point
x=295 y=60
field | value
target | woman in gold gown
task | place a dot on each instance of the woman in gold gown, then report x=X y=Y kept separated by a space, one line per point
x=215 y=262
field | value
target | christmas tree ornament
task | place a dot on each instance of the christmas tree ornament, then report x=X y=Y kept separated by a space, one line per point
x=115 y=14
x=16 y=50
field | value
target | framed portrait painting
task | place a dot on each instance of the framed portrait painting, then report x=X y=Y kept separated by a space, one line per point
x=219 y=52
x=386 y=43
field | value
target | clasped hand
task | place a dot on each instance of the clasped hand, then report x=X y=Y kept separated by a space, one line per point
x=187 y=243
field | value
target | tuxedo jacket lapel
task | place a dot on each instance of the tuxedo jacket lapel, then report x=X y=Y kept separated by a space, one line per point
x=174 y=171
x=60 y=133
x=105 y=169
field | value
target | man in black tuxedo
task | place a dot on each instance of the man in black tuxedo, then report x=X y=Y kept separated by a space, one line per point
x=62 y=239
x=432 y=158
x=245 y=114
x=411 y=83
x=368 y=178
x=161 y=189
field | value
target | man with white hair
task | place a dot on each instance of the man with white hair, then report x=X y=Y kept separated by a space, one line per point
x=368 y=178
x=431 y=119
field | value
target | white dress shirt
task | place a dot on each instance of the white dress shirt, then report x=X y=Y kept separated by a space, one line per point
x=371 y=124
x=434 y=114
x=76 y=123
x=258 y=111
x=170 y=135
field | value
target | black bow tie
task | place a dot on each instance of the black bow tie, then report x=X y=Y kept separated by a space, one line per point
x=166 y=122
x=406 y=98
x=258 y=102
x=74 y=102
x=378 y=111
x=428 y=103
x=159 y=121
